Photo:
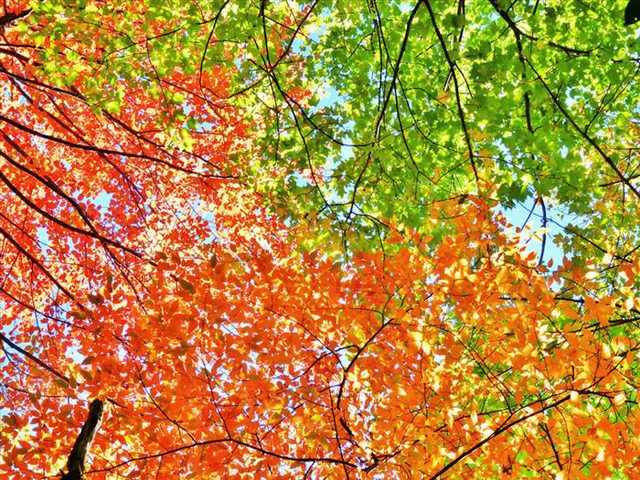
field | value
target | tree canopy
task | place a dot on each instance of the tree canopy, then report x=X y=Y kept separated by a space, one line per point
x=319 y=239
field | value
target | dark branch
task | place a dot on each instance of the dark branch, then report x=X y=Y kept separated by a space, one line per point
x=7 y=18
x=75 y=463
x=32 y=357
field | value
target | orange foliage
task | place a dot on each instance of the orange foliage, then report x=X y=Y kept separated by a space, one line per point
x=223 y=350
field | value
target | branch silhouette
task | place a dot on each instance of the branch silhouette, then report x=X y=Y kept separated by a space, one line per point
x=75 y=463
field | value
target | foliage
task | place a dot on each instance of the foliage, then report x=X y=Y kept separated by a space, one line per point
x=270 y=238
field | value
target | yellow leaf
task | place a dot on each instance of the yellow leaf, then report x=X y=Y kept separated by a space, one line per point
x=619 y=399
x=443 y=96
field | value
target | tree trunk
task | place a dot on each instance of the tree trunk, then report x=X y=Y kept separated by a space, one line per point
x=75 y=463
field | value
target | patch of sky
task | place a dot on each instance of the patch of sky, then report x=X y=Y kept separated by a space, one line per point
x=102 y=200
x=529 y=217
x=406 y=7
x=564 y=151
x=209 y=217
x=43 y=239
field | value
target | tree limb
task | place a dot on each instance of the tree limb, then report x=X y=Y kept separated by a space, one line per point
x=75 y=463
x=7 y=18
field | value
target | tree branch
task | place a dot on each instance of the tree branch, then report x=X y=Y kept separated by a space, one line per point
x=75 y=463
x=453 y=67
x=7 y=18
x=33 y=358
